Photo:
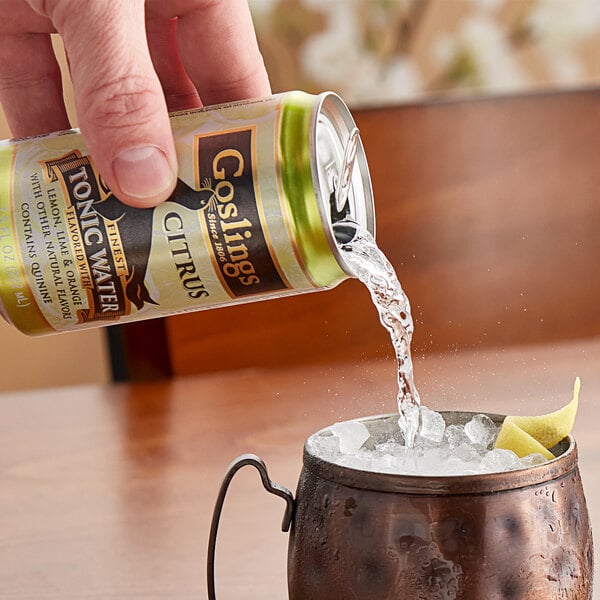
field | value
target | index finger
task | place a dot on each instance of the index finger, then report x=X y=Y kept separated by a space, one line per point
x=219 y=49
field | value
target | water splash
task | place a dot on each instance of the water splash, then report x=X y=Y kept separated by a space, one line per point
x=368 y=264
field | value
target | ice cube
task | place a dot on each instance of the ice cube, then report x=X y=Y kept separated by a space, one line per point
x=324 y=446
x=467 y=454
x=533 y=459
x=387 y=463
x=481 y=430
x=429 y=462
x=351 y=435
x=361 y=460
x=500 y=460
x=432 y=425
x=391 y=448
x=455 y=436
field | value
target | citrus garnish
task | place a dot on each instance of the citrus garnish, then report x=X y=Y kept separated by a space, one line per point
x=529 y=435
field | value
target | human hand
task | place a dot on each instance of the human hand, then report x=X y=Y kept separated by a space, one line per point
x=130 y=62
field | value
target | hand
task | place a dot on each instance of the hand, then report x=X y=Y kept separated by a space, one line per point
x=121 y=52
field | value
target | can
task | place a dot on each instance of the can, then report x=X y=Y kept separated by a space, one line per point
x=261 y=185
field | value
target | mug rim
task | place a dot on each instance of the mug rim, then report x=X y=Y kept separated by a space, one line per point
x=469 y=484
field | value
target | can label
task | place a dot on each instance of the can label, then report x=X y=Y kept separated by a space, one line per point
x=231 y=215
x=74 y=255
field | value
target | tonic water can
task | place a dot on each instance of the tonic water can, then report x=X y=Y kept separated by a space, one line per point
x=261 y=184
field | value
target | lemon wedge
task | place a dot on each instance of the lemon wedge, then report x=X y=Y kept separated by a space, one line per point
x=528 y=435
x=511 y=437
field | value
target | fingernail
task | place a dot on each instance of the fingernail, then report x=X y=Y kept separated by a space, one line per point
x=143 y=172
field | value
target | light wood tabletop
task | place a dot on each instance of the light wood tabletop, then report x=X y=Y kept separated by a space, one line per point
x=107 y=491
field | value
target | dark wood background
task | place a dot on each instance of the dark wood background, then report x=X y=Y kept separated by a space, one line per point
x=488 y=209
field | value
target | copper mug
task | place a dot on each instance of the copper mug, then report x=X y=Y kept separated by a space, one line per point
x=358 y=535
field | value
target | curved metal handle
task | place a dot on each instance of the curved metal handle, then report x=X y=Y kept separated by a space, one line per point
x=273 y=488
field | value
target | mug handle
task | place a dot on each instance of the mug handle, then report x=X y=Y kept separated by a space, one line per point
x=273 y=488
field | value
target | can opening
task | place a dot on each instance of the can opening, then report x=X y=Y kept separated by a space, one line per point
x=341 y=175
x=344 y=229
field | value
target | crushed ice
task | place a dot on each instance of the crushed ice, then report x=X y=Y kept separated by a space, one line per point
x=438 y=449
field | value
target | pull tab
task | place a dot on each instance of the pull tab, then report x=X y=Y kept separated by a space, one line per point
x=342 y=189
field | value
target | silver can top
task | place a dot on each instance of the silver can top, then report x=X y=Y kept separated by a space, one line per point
x=340 y=171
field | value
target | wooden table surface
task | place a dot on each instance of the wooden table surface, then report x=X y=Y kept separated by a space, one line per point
x=107 y=492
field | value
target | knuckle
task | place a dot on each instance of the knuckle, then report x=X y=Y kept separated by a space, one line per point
x=42 y=7
x=234 y=83
x=49 y=8
x=181 y=100
x=19 y=81
x=205 y=4
x=121 y=102
x=185 y=7
x=16 y=74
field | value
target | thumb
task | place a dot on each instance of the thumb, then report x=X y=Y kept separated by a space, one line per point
x=119 y=101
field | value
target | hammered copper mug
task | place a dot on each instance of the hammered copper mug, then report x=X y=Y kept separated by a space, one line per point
x=358 y=535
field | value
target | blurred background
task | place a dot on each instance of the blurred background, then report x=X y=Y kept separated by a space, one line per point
x=375 y=52
x=381 y=54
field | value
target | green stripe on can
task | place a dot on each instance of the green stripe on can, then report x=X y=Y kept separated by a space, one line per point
x=298 y=184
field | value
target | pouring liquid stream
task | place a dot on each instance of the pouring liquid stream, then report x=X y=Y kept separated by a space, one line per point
x=368 y=264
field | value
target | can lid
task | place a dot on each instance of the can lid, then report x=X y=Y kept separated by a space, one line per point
x=340 y=171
